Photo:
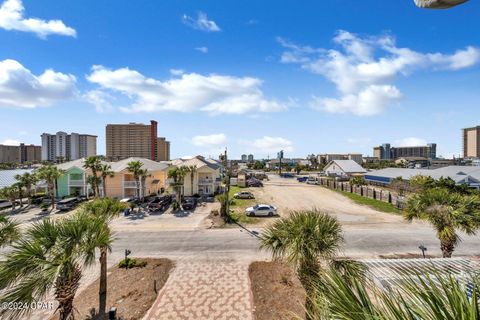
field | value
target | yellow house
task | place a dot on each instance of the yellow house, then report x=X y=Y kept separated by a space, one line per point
x=123 y=184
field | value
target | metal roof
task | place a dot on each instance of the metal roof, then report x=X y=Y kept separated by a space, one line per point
x=460 y=174
x=7 y=177
x=348 y=166
x=387 y=273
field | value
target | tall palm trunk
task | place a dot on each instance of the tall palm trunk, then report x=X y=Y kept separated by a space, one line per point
x=447 y=248
x=102 y=292
x=52 y=194
x=65 y=288
x=29 y=195
x=308 y=271
x=104 y=184
x=192 y=176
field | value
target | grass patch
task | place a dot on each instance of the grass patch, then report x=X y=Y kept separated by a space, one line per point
x=242 y=218
x=374 y=204
x=238 y=206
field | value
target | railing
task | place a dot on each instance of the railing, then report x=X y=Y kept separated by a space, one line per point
x=205 y=181
x=77 y=183
x=129 y=184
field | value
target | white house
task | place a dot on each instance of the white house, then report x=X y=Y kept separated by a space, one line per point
x=206 y=176
x=344 y=168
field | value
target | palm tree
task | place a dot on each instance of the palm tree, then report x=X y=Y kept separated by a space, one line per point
x=18 y=186
x=102 y=212
x=49 y=256
x=304 y=239
x=106 y=171
x=177 y=174
x=11 y=194
x=8 y=231
x=93 y=181
x=447 y=212
x=437 y=295
x=28 y=180
x=192 y=170
x=134 y=167
x=94 y=164
x=50 y=174
x=143 y=175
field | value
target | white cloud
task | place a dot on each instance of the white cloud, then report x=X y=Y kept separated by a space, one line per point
x=100 y=99
x=10 y=142
x=177 y=72
x=215 y=94
x=20 y=88
x=12 y=18
x=410 y=142
x=269 y=144
x=201 y=23
x=363 y=70
x=202 y=49
x=212 y=140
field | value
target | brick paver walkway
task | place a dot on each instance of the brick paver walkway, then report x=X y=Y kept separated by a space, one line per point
x=207 y=289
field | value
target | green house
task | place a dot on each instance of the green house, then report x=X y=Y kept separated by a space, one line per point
x=73 y=182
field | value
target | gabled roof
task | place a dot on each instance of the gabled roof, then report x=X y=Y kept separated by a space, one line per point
x=198 y=162
x=347 y=166
x=148 y=164
x=71 y=164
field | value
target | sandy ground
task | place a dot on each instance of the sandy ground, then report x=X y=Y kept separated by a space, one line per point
x=288 y=195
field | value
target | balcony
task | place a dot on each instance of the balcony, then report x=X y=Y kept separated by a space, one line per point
x=77 y=183
x=129 y=184
x=205 y=181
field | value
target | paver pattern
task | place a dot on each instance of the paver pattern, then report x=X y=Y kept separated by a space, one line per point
x=205 y=289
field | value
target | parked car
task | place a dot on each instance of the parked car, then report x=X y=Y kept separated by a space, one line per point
x=287 y=175
x=4 y=204
x=159 y=203
x=244 y=195
x=67 y=204
x=208 y=198
x=254 y=183
x=302 y=179
x=189 y=203
x=261 y=210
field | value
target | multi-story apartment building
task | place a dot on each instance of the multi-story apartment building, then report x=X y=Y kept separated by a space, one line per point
x=163 y=149
x=20 y=154
x=471 y=142
x=387 y=152
x=68 y=147
x=136 y=140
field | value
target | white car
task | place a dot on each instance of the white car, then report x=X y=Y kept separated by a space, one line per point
x=244 y=195
x=261 y=210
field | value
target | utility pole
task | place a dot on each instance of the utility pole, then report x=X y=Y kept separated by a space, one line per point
x=280 y=156
x=227 y=187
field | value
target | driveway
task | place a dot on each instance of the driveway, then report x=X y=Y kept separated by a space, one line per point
x=287 y=194
x=164 y=221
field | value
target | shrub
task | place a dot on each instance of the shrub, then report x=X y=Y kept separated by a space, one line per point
x=129 y=263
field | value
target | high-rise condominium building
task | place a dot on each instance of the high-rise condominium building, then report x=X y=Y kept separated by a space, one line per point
x=387 y=152
x=136 y=140
x=66 y=147
x=20 y=154
x=471 y=142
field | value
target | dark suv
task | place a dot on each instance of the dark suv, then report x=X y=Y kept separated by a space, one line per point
x=189 y=204
x=159 y=203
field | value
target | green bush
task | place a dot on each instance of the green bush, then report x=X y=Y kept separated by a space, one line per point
x=129 y=263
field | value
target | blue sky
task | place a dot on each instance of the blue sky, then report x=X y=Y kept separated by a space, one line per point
x=256 y=76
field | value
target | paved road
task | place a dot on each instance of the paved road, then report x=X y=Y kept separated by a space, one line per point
x=239 y=245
